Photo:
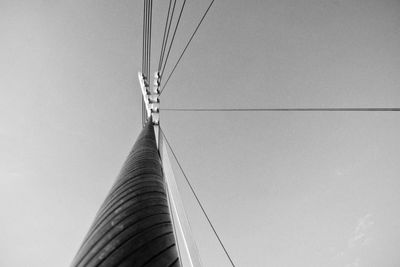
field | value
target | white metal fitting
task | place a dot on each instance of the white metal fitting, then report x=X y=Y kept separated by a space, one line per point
x=151 y=97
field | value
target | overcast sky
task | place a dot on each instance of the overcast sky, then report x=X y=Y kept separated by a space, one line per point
x=282 y=189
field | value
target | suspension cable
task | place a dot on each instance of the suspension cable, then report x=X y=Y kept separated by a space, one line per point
x=146 y=43
x=164 y=34
x=144 y=37
x=197 y=199
x=173 y=36
x=279 y=109
x=144 y=52
x=187 y=45
x=149 y=41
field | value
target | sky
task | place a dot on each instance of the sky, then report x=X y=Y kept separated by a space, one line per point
x=282 y=189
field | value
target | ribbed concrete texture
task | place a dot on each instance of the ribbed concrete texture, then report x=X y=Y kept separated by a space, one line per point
x=133 y=227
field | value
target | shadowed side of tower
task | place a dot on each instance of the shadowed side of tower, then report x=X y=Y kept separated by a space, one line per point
x=133 y=226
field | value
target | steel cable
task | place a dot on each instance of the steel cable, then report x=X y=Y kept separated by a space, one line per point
x=187 y=45
x=197 y=199
x=173 y=37
x=164 y=35
x=280 y=109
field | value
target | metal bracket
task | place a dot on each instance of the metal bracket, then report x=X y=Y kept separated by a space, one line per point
x=151 y=97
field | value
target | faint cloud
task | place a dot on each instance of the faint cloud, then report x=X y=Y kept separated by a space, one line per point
x=359 y=236
x=340 y=254
x=339 y=172
x=355 y=263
